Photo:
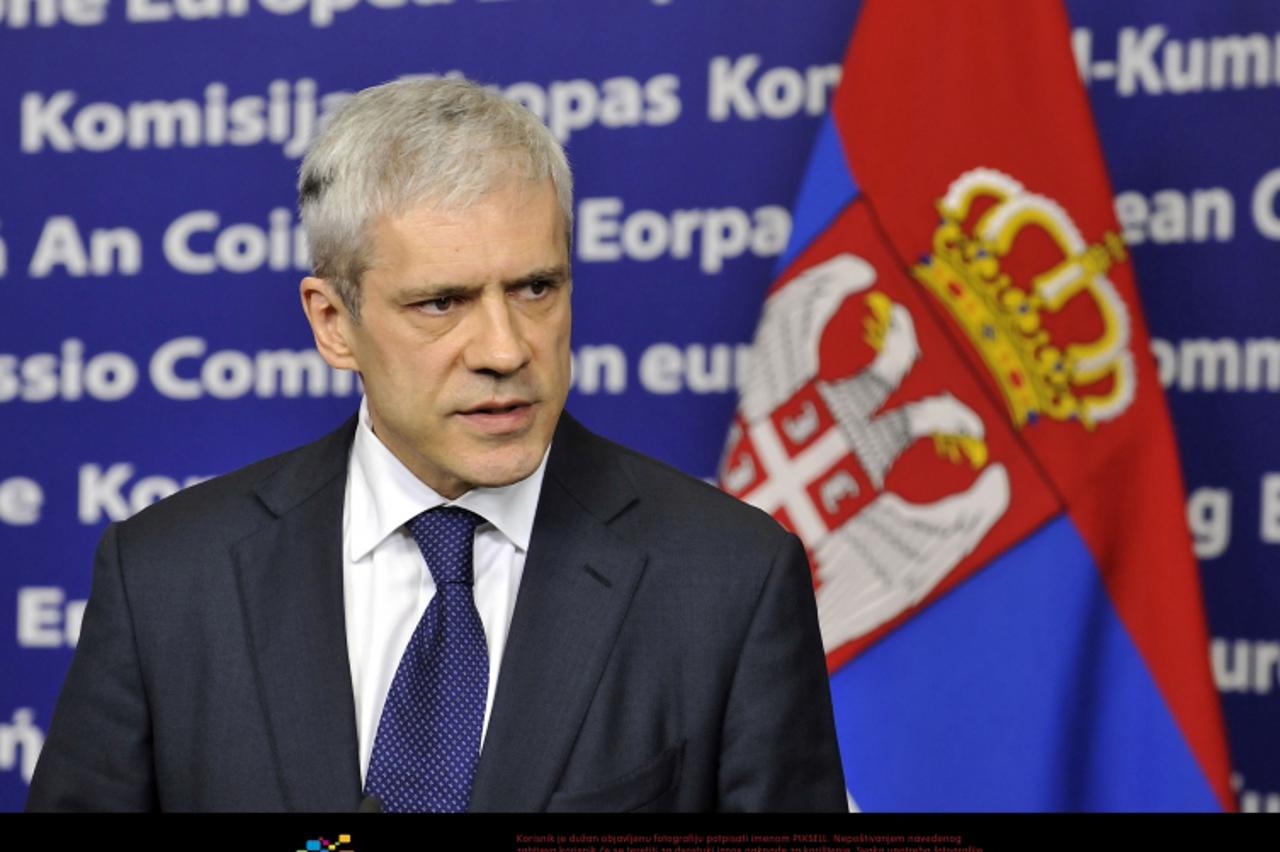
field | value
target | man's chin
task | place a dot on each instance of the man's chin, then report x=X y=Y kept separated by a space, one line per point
x=499 y=467
x=501 y=479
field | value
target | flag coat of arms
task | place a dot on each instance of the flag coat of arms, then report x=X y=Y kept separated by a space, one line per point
x=952 y=402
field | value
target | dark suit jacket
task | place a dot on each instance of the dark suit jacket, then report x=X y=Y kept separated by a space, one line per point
x=663 y=655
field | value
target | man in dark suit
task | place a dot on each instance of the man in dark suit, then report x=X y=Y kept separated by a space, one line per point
x=616 y=635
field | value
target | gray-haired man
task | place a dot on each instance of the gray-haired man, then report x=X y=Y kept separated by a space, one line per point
x=461 y=598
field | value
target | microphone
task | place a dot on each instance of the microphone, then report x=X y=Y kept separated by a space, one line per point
x=370 y=805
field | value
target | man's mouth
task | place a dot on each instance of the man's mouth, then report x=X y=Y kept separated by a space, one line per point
x=499 y=416
x=497 y=407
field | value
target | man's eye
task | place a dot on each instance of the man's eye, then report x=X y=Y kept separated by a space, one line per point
x=437 y=306
x=537 y=288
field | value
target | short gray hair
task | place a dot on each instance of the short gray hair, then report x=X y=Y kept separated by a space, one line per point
x=390 y=147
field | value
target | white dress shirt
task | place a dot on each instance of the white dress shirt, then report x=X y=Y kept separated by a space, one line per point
x=385 y=582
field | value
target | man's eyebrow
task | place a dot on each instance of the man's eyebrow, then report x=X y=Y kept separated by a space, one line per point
x=431 y=292
x=551 y=274
x=447 y=290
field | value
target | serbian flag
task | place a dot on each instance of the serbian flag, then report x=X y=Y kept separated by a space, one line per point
x=952 y=402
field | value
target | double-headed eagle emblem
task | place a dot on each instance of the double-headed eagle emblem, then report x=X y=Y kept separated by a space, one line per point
x=816 y=451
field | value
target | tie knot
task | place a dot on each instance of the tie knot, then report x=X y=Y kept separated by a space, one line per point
x=445 y=535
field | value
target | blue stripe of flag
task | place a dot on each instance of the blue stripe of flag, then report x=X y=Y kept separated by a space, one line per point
x=1018 y=690
x=828 y=187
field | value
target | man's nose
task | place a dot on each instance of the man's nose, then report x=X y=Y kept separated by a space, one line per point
x=497 y=344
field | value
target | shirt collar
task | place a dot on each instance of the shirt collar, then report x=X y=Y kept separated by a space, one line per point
x=385 y=495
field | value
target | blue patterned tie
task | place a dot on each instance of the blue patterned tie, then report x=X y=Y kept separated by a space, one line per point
x=428 y=741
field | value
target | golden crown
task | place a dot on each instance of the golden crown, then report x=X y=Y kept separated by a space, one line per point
x=1089 y=381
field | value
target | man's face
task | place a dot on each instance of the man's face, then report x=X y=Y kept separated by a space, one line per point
x=463 y=340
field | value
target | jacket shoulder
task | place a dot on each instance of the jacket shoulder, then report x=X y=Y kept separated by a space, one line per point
x=233 y=505
x=671 y=508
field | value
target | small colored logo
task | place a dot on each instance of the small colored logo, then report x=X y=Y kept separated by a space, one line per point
x=321 y=844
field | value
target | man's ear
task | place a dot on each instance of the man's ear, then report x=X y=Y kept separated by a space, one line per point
x=330 y=320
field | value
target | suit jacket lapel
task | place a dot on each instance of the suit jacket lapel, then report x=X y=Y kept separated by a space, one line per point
x=578 y=581
x=289 y=576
